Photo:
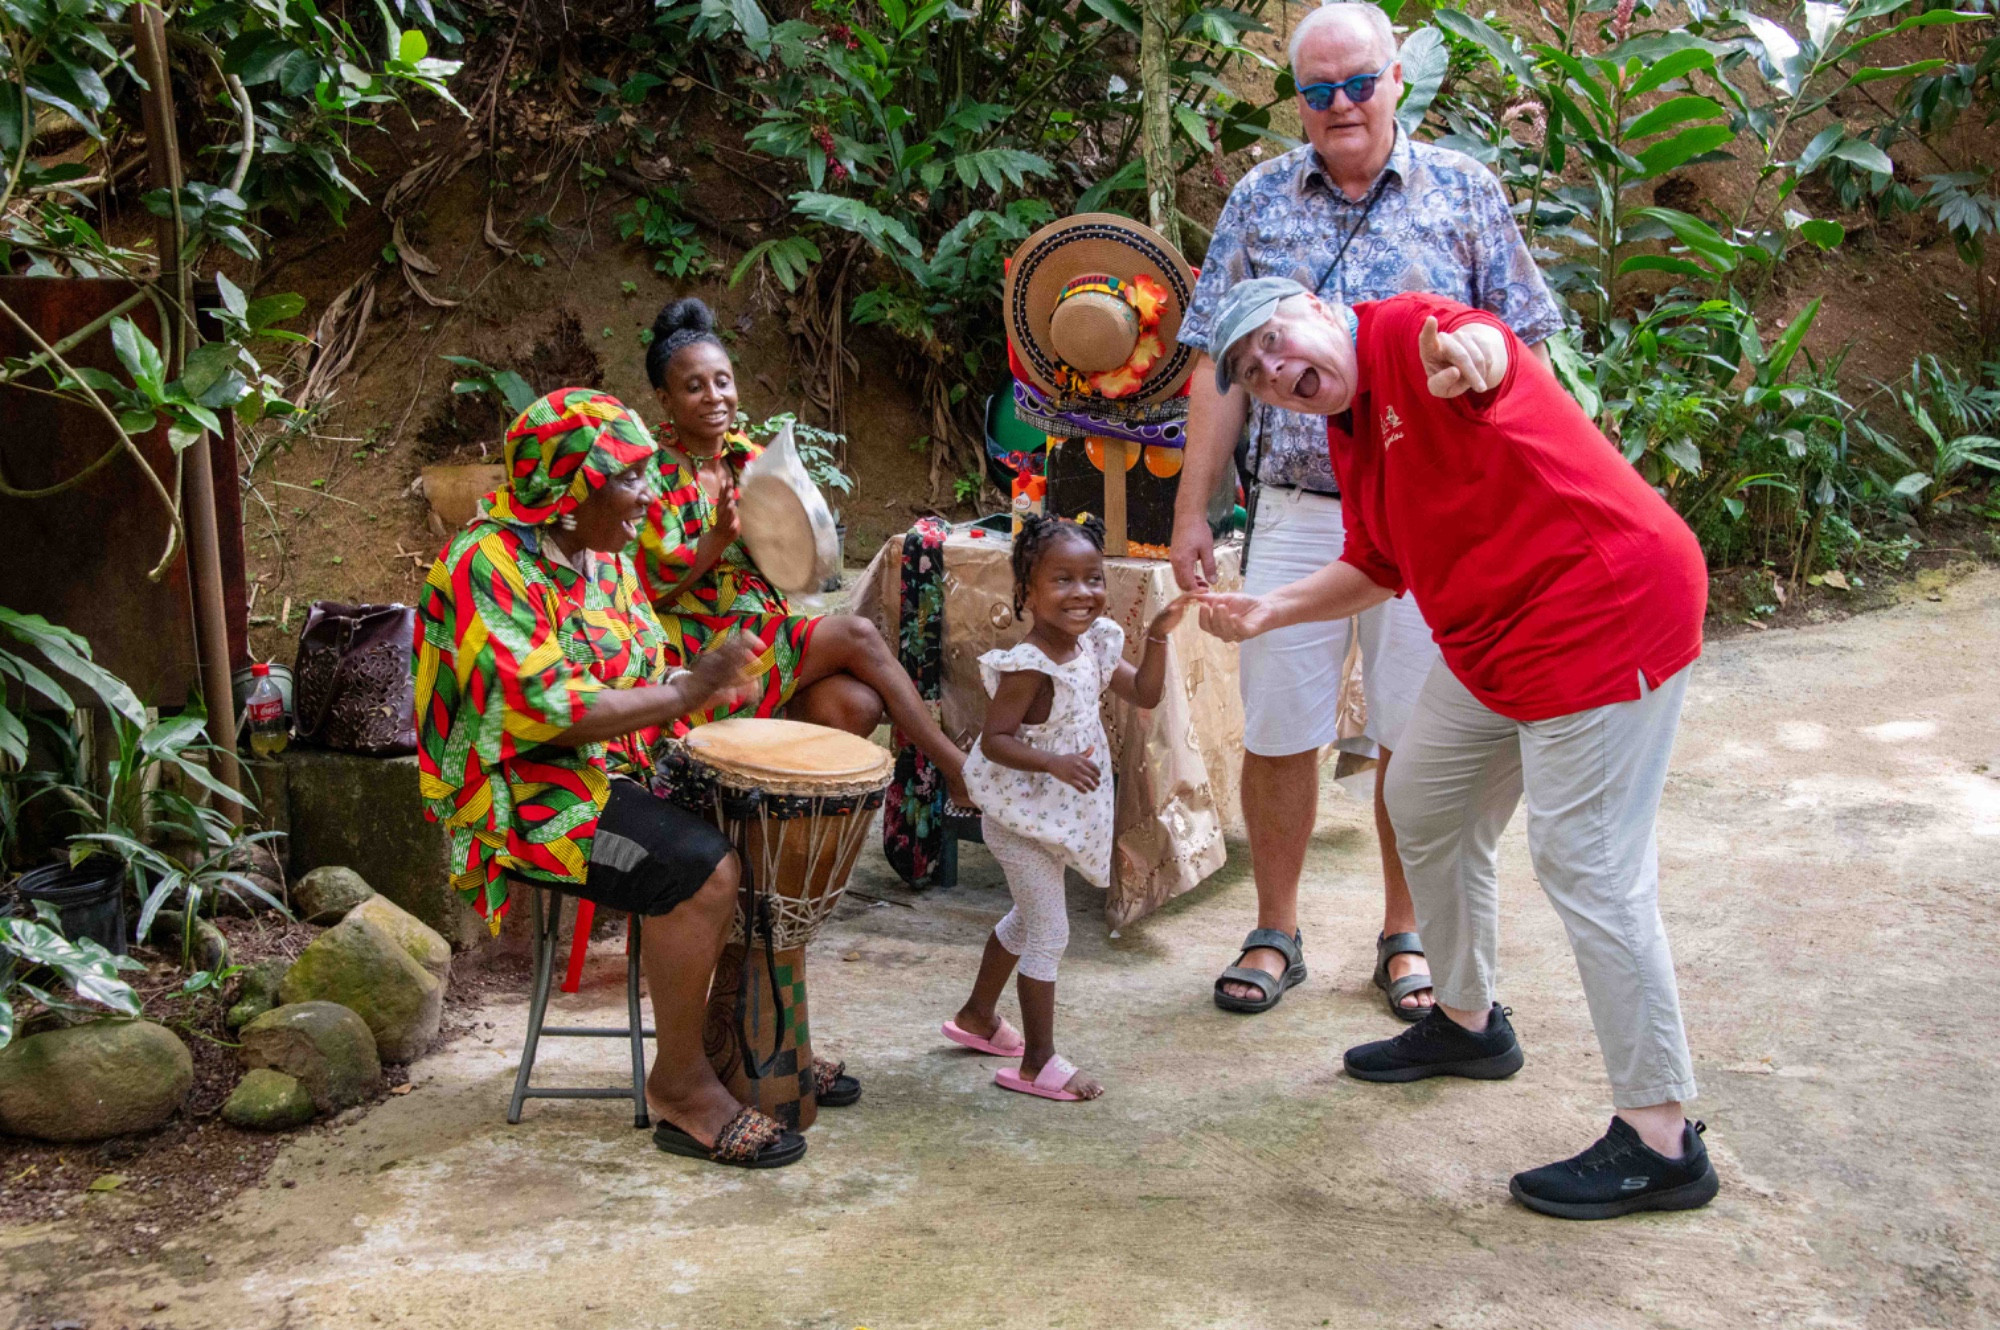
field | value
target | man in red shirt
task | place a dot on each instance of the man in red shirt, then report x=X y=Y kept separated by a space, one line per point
x=1566 y=598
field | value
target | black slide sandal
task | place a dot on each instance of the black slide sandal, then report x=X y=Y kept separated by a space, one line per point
x=748 y=1140
x=1272 y=987
x=832 y=1086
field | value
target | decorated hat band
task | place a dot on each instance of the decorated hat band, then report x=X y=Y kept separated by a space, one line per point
x=1093 y=307
x=1107 y=332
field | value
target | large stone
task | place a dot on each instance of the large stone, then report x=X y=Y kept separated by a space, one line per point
x=425 y=945
x=362 y=966
x=267 y=1100
x=258 y=993
x=325 y=895
x=87 y=1082
x=322 y=1045
x=367 y=813
x=209 y=950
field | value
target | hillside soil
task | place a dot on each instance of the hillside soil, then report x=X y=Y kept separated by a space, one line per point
x=1830 y=834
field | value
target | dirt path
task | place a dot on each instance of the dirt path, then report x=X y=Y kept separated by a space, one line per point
x=1830 y=847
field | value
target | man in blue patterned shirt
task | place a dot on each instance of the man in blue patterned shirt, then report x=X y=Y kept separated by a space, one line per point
x=1360 y=212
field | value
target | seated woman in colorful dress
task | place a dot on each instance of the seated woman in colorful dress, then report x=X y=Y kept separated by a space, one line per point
x=830 y=669
x=540 y=672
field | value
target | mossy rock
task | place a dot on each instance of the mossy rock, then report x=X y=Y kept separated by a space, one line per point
x=325 y=895
x=258 y=993
x=363 y=967
x=267 y=1100
x=84 y=1083
x=322 y=1045
x=425 y=944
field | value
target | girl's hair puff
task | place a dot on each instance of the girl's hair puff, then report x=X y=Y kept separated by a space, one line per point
x=1037 y=534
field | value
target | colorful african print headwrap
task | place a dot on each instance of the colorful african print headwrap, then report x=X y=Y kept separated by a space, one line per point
x=562 y=447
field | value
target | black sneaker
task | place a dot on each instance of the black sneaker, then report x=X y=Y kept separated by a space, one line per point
x=1439 y=1046
x=1619 y=1175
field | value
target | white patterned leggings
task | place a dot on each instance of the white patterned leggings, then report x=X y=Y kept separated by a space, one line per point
x=1037 y=928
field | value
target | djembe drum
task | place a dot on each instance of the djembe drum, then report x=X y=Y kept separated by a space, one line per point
x=796 y=800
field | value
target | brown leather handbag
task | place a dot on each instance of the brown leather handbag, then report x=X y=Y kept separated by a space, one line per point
x=355 y=692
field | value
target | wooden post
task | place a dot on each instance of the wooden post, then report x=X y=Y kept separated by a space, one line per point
x=156 y=103
x=1114 y=494
x=1156 y=118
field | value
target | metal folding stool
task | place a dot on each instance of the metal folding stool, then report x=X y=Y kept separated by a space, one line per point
x=545 y=923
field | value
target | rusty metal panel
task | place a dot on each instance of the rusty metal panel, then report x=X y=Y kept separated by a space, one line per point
x=80 y=558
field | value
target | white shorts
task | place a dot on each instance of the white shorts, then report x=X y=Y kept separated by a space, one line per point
x=1291 y=677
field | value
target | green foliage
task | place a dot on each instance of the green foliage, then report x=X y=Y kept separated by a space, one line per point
x=654 y=220
x=84 y=967
x=933 y=137
x=1952 y=420
x=1749 y=440
x=512 y=390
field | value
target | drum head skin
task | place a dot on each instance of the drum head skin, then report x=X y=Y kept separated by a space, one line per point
x=791 y=754
x=787 y=526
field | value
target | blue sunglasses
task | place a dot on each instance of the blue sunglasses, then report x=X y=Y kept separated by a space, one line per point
x=1359 y=89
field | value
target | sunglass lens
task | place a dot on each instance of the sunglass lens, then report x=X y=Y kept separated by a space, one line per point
x=1319 y=96
x=1360 y=89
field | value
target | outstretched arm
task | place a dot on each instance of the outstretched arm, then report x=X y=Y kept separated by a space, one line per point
x=1334 y=592
x=1142 y=686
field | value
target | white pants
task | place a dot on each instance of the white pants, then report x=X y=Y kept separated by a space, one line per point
x=1593 y=781
x=1291 y=677
x=1037 y=928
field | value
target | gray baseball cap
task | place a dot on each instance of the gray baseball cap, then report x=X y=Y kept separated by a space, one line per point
x=1248 y=307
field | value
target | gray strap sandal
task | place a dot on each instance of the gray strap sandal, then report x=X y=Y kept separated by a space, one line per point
x=1272 y=987
x=1395 y=990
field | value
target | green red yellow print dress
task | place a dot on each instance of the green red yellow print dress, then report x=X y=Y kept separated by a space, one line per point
x=511 y=647
x=733 y=594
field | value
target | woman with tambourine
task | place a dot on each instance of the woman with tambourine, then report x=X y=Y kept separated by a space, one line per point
x=830 y=669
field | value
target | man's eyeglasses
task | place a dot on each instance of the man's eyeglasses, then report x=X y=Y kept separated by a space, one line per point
x=1359 y=89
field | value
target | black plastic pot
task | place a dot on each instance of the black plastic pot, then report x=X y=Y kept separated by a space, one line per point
x=90 y=896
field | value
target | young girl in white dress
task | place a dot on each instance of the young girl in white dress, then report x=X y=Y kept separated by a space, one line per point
x=1039 y=775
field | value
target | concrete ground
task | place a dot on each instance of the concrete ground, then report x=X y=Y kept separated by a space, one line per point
x=1829 y=845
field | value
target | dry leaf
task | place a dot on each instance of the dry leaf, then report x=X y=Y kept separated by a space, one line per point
x=410 y=276
x=409 y=253
x=1836 y=578
x=107 y=1182
x=404 y=1088
x=493 y=236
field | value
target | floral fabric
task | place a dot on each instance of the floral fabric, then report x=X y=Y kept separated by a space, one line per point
x=1071 y=825
x=1439 y=222
x=914 y=811
x=512 y=644
x=732 y=595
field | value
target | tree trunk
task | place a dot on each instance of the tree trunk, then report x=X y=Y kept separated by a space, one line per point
x=1157 y=117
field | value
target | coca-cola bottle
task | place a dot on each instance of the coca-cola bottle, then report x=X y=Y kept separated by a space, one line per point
x=264 y=715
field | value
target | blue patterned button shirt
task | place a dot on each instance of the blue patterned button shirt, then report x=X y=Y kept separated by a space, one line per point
x=1440 y=224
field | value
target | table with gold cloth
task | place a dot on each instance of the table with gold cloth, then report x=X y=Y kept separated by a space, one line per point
x=1176 y=767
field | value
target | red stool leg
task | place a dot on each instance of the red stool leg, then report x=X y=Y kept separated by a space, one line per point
x=579 y=943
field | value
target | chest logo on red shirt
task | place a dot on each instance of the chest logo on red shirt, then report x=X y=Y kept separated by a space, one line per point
x=1392 y=426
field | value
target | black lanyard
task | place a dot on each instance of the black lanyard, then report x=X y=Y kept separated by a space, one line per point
x=1256 y=461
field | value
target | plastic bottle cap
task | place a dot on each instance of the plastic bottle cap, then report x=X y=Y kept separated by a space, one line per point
x=260 y=671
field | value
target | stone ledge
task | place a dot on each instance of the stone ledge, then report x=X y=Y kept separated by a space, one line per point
x=365 y=813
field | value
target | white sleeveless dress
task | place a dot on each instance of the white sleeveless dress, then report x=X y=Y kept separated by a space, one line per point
x=1074 y=826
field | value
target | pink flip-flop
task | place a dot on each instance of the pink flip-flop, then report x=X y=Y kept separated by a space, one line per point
x=1005 y=1043
x=1055 y=1074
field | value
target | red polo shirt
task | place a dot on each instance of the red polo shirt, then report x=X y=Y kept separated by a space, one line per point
x=1552 y=576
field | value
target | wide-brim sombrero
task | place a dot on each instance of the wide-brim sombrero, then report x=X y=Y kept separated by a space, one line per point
x=1075 y=247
